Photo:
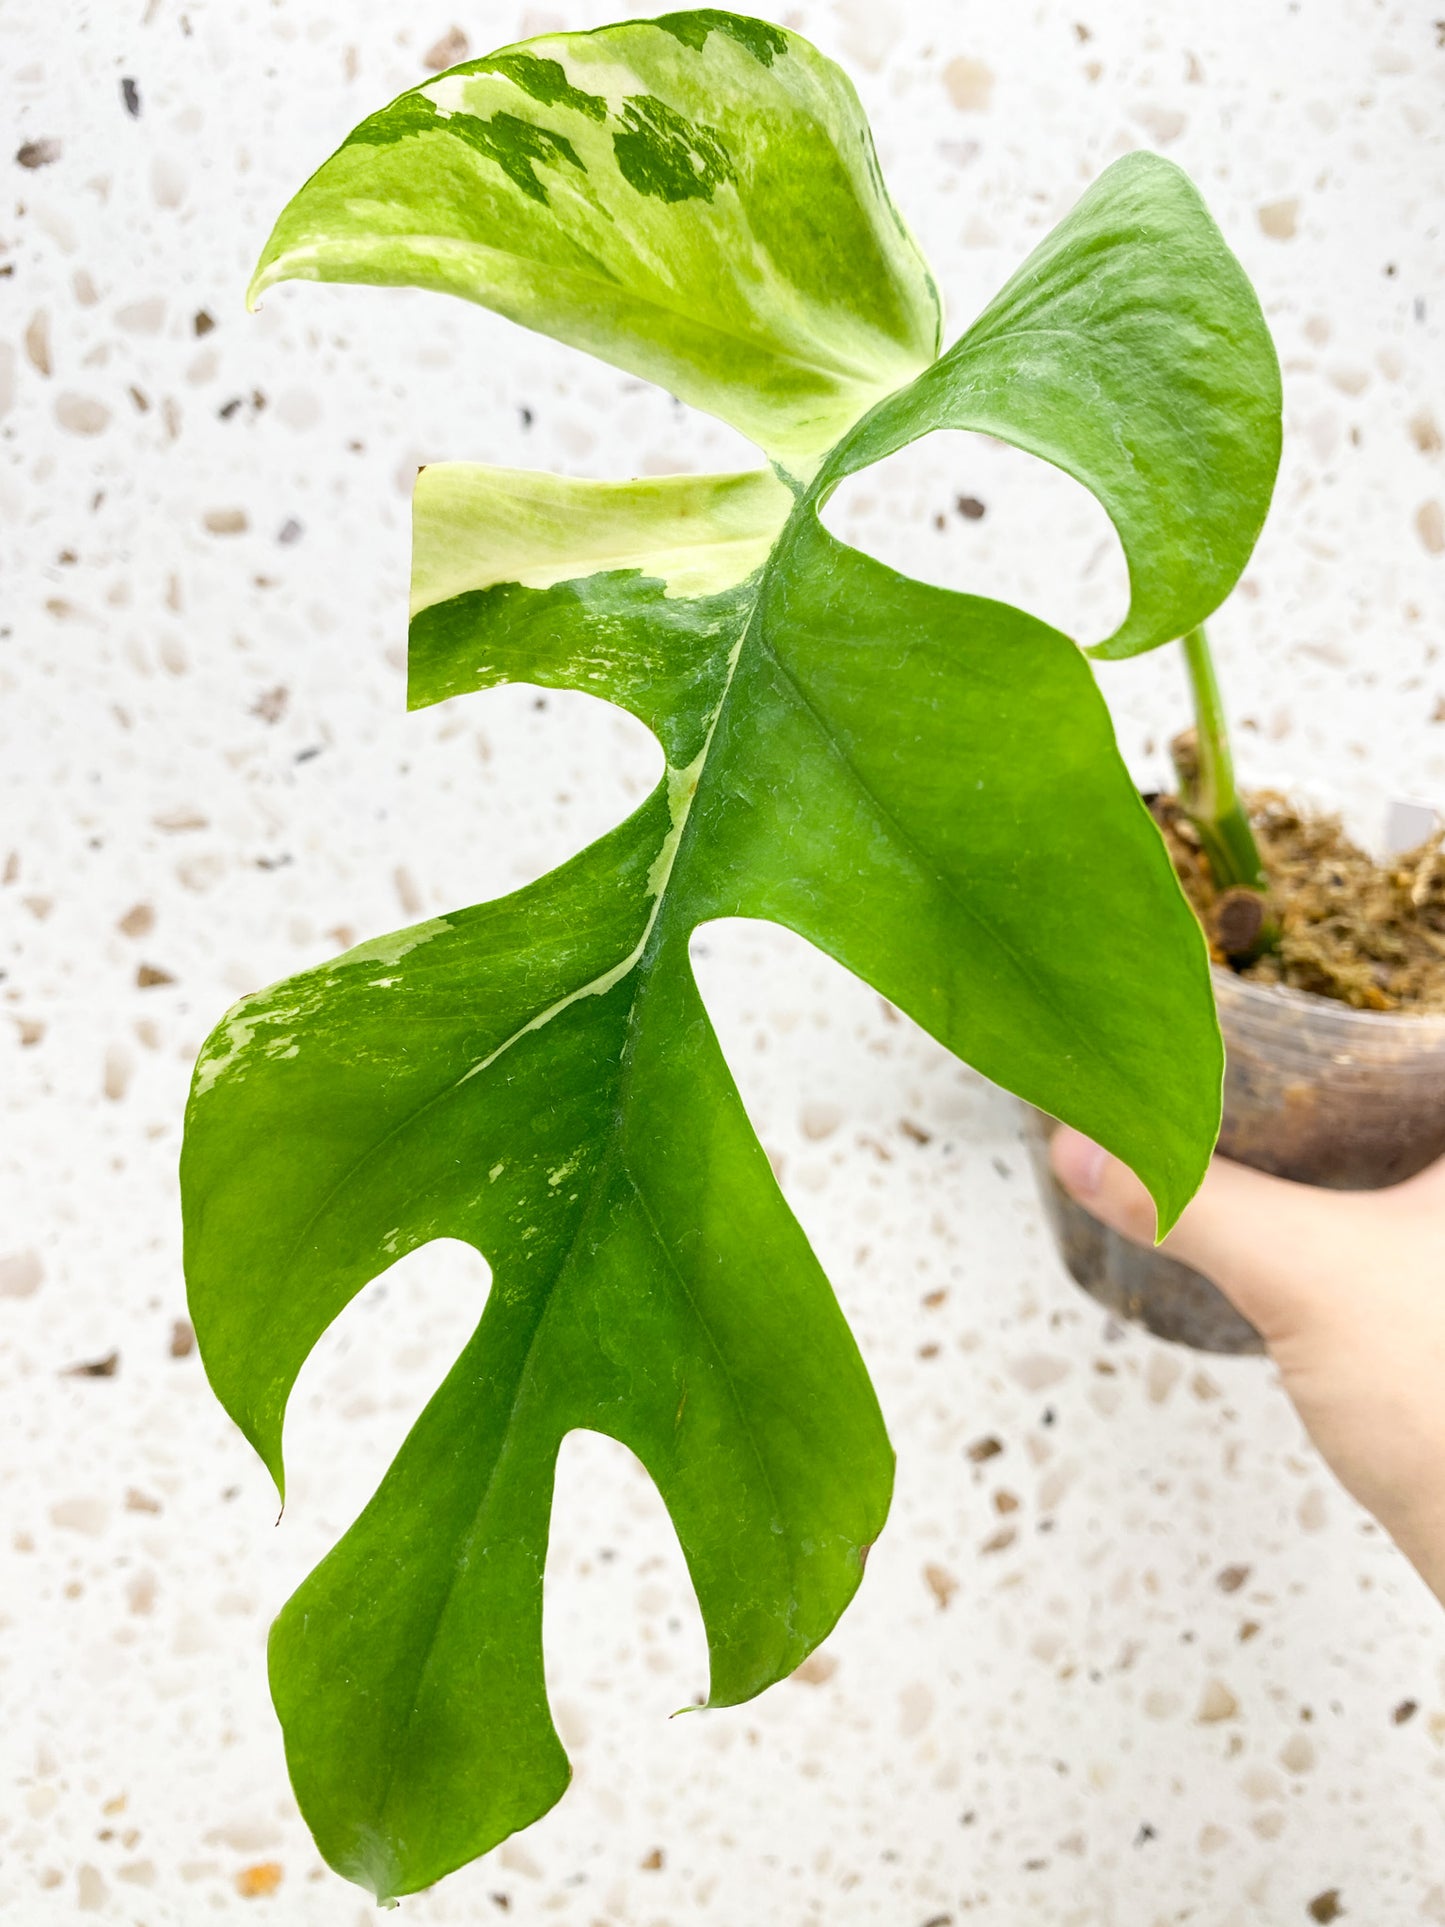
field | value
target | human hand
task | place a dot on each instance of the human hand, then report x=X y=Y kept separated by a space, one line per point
x=1347 y=1289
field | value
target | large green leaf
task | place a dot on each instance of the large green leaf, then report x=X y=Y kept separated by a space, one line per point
x=923 y=784
x=694 y=198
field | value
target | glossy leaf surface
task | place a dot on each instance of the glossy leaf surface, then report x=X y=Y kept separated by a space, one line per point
x=923 y=784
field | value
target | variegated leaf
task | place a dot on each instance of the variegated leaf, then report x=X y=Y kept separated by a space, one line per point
x=923 y=784
x=695 y=199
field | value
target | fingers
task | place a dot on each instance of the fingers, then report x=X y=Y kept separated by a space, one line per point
x=1275 y=1249
x=1102 y=1185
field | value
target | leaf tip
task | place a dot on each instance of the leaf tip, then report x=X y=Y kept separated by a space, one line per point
x=267 y=273
x=1172 y=1191
x=264 y=1440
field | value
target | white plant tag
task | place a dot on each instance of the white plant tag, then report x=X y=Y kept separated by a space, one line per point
x=1407 y=824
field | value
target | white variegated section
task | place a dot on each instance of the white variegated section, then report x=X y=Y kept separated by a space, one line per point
x=475 y=527
x=228 y=1046
x=226 y=1049
x=391 y=949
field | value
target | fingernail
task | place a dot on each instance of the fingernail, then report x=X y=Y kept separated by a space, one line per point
x=1078 y=1162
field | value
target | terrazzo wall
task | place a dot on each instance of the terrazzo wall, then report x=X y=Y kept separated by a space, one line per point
x=1126 y=1655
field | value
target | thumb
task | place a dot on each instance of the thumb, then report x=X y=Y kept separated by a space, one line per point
x=1272 y=1247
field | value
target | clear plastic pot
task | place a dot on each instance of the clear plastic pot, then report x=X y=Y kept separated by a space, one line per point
x=1313 y=1090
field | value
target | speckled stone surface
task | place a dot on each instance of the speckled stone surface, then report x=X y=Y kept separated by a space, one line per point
x=1126 y=1655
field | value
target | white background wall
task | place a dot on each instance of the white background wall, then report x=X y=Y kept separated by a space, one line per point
x=1183 y=1679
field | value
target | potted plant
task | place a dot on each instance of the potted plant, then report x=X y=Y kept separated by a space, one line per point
x=1329 y=976
x=924 y=784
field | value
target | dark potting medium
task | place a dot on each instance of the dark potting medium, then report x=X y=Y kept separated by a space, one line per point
x=1313 y=1090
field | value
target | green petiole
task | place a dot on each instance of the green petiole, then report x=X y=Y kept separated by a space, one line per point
x=1205 y=769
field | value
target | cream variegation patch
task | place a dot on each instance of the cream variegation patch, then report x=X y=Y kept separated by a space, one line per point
x=698 y=535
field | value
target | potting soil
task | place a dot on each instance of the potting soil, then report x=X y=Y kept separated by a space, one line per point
x=1364 y=931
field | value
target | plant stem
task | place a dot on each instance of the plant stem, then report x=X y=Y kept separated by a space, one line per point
x=1205 y=768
